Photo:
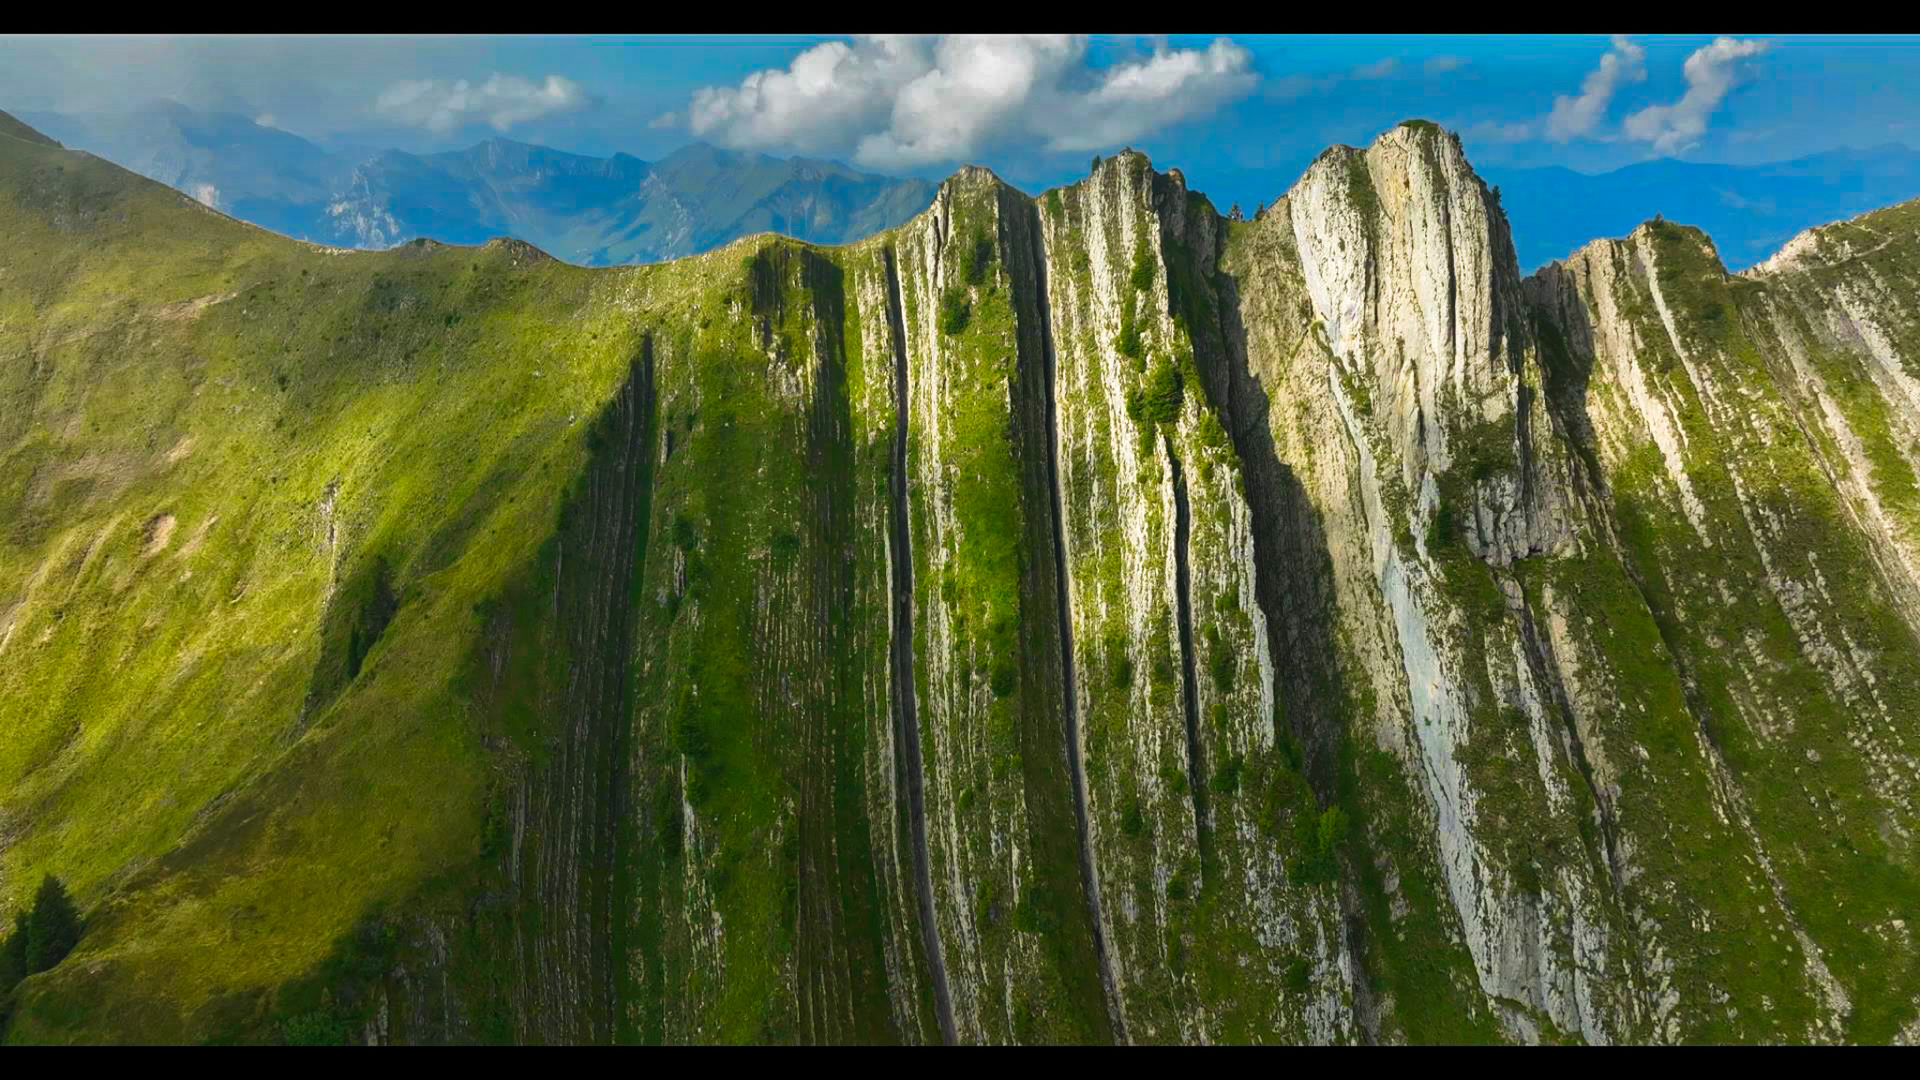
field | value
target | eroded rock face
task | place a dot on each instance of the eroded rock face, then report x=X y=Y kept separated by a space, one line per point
x=1755 y=526
x=1299 y=653
x=1086 y=619
x=1195 y=807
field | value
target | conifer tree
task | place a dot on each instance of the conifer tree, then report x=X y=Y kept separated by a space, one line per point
x=54 y=927
x=13 y=954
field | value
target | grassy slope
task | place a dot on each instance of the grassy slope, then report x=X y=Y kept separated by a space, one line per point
x=205 y=428
x=260 y=504
x=1799 y=739
x=754 y=675
x=421 y=419
x=1752 y=737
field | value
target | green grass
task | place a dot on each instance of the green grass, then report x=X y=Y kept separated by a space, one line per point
x=235 y=418
x=433 y=405
x=326 y=541
x=1838 y=874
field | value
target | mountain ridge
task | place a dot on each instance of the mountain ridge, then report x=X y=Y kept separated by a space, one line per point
x=1315 y=631
x=376 y=198
x=1753 y=209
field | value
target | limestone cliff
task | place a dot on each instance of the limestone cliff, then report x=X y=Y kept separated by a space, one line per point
x=1073 y=619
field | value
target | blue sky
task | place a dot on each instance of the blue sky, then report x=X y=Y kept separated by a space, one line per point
x=1240 y=114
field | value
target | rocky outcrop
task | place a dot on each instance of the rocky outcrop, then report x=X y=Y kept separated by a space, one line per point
x=1087 y=619
x=1746 y=523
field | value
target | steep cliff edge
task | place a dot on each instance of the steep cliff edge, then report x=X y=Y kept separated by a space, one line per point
x=1728 y=417
x=1072 y=619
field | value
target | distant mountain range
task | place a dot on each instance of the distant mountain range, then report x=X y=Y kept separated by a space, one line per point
x=586 y=210
x=1749 y=210
x=600 y=211
x=1073 y=619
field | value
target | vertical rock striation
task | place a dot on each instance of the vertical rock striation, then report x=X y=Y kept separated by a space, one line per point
x=1090 y=619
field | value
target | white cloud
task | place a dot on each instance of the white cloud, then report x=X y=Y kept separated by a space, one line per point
x=1379 y=69
x=264 y=120
x=829 y=96
x=1299 y=84
x=1440 y=65
x=1711 y=72
x=501 y=102
x=903 y=101
x=977 y=90
x=1490 y=131
x=1134 y=99
x=1572 y=116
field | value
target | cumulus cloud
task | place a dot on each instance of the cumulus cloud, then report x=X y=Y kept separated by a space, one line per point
x=903 y=101
x=1711 y=72
x=829 y=96
x=1133 y=99
x=502 y=102
x=1440 y=65
x=1572 y=116
x=976 y=90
